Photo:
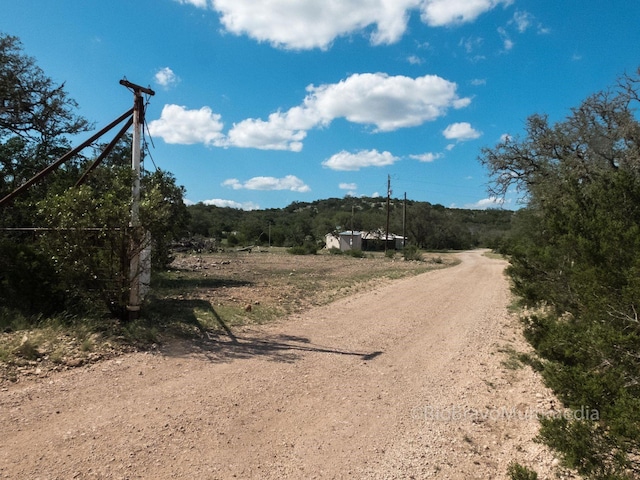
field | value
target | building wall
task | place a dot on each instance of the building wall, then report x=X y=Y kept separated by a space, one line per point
x=350 y=241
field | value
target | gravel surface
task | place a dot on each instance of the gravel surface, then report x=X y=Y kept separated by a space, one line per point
x=415 y=379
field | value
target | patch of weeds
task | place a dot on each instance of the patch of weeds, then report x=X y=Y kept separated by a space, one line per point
x=513 y=361
x=140 y=332
x=87 y=345
x=28 y=350
x=520 y=472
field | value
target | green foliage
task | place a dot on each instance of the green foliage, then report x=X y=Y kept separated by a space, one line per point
x=575 y=257
x=79 y=254
x=412 y=253
x=519 y=472
x=428 y=226
x=308 y=248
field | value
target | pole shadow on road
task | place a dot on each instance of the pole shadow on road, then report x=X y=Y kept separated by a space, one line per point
x=224 y=345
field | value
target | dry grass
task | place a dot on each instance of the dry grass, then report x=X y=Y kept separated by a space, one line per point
x=204 y=294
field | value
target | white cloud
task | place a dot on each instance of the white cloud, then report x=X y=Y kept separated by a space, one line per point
x=477 y=82
x=439 y=13
x=385 y=102
x=274 y=134
x=348 y=186
x=485 y=203
x=219 y=202
x=461 y=131
x=166 y=78
x=346 y=161
x=195 y=3
x=415 y=60
x=290 y=182
x=522 y=20
x=471 y=44
x=317 y=23
x=388 y=102
x=179 y=125
x=506 y=39
x=314 y=23
x=426 y=157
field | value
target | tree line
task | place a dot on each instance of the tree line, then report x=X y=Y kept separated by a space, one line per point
x=575 y=263
x=425 y=225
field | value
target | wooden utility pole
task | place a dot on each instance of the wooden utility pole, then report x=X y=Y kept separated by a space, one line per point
x=404 y=221
x=139 y=239
x=386 y=241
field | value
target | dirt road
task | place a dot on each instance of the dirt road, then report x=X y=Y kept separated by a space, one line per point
x=411 y=380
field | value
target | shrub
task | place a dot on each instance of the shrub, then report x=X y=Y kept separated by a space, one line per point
x=412 y=253
x=519 y=472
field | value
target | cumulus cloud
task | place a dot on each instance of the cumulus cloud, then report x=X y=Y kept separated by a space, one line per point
x=346 y=161
x=461 y=131
x=273 y=134
x=179 y=125
x=317 y=23
x=439 y=13
x=290 y=182
x=379 y=100
x=348 y=186
x=485 y=203
x=219 y=202
x=387 y=102
x=314 y=23
x=426 y=157
x=166 y=78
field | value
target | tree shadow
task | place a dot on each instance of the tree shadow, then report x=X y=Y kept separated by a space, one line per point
x=222 y=344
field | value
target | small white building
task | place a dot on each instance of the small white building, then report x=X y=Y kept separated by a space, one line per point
x=331 y=240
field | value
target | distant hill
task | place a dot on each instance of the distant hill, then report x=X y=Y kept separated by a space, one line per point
x=427 y=226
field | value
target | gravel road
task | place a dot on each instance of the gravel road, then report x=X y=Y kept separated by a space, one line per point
x=415 y=379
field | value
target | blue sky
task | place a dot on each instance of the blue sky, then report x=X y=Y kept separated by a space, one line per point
x=262 y=103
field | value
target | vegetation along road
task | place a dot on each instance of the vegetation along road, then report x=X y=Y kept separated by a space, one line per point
x=415 y=379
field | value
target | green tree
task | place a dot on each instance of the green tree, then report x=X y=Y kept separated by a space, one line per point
x=575 y=251
x=82 y=254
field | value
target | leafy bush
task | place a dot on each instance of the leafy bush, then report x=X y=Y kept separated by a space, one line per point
x=355 y=253
x=308 y=248
x=412 y=253
x=575 y=257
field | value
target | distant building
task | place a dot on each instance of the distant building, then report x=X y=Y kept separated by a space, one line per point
x=376 y=239
x=331 y=240
x=366 y=241
x=350 y=240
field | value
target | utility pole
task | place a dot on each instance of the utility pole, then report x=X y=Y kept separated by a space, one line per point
x=138 y=237
x=404 y=221
x=386 y=241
